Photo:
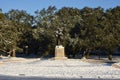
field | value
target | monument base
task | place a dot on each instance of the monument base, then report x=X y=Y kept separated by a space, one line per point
x=59 y=53
x=60 y=58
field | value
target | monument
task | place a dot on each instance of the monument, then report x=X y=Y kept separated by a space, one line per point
x=59 y=49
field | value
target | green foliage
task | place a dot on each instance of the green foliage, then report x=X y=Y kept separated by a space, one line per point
x=88 y=28
x=8 y=35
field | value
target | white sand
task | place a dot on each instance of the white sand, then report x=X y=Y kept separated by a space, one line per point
x=58 y=68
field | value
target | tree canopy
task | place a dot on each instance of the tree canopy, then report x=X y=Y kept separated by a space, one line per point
x=87 y=28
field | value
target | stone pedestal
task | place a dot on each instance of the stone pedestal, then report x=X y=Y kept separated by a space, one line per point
x=60 y=53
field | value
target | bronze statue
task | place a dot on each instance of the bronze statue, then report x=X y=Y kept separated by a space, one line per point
x=59 y=36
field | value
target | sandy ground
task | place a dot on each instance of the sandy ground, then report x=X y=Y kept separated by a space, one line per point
x=71 y=68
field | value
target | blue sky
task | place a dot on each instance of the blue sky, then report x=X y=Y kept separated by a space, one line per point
x=32 y=5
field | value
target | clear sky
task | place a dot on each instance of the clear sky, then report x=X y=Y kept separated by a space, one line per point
x=32 y=5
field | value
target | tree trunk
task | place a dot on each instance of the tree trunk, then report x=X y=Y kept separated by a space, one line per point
x=87 y=55
x=110 y=55
x=10 y=53
x=13 y=53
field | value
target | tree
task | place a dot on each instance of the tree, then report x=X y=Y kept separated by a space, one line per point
x=20 y=16
x=23 y=22
x=112 y=31
x=45 y=17
x=8 y=36
x=84 y=29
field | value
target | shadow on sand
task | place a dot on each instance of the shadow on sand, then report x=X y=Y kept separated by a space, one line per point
x=22 y=77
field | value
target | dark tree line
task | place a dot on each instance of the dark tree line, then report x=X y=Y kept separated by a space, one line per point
x=86 y=29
